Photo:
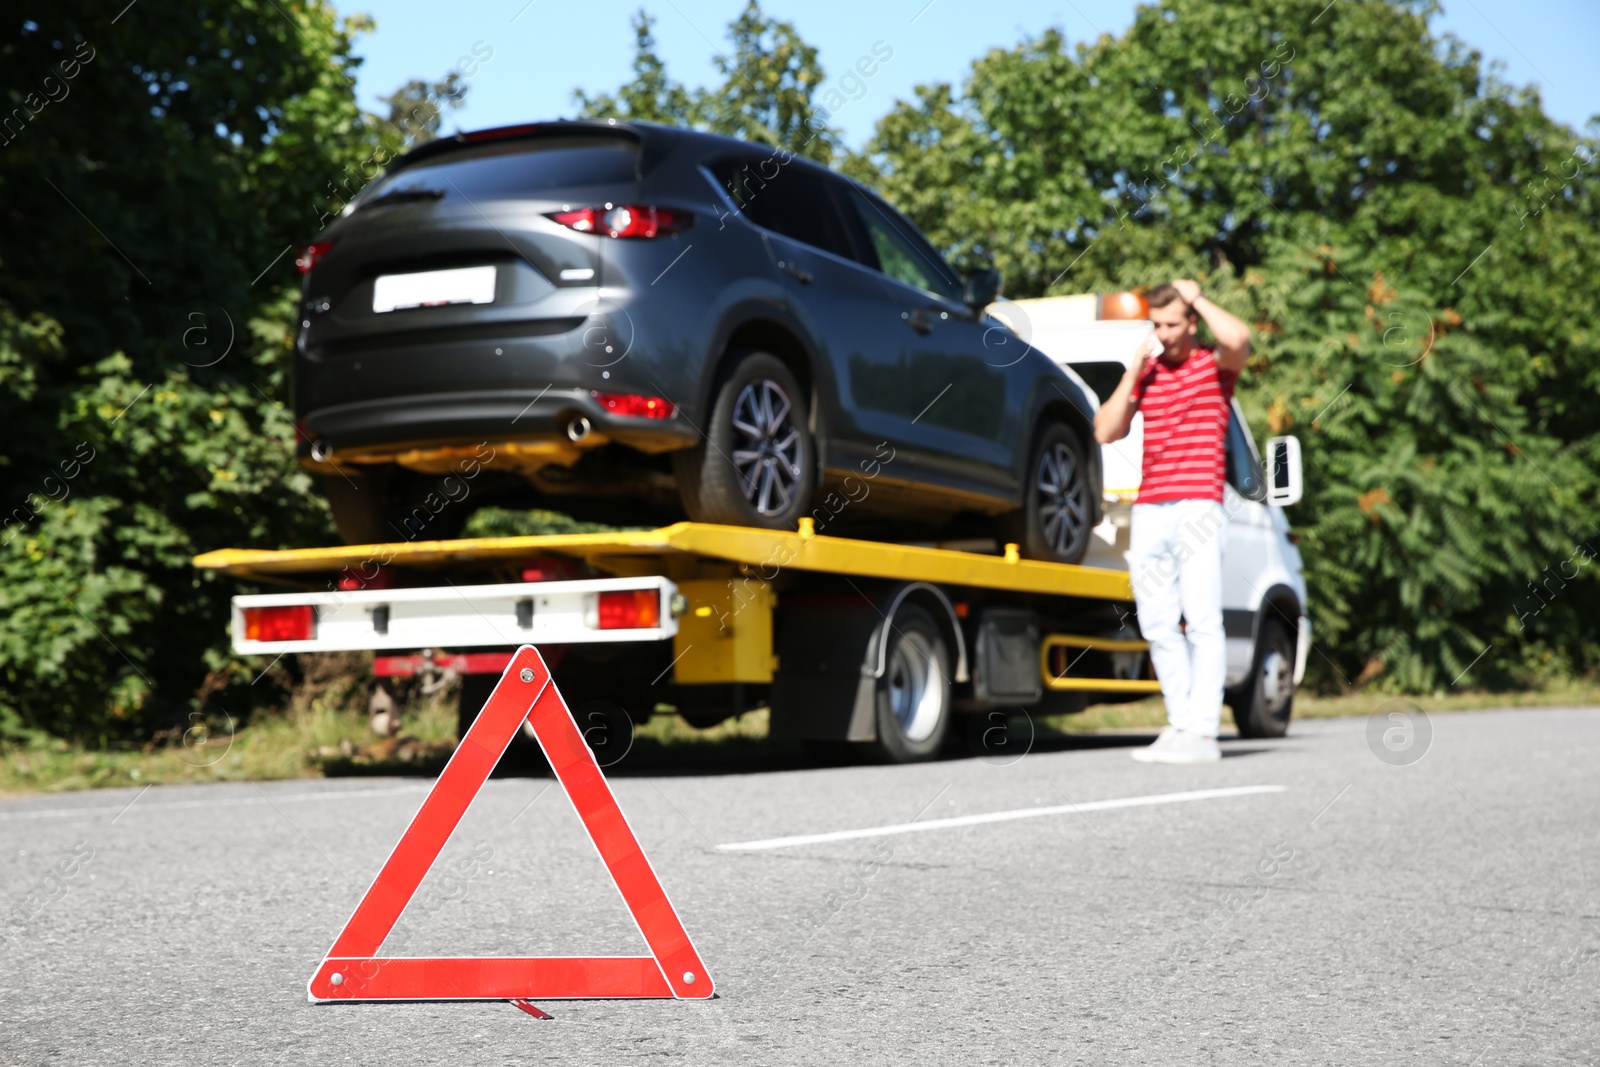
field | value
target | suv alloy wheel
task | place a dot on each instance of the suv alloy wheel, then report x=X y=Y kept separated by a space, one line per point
x=754 y=466
x=1054 y=521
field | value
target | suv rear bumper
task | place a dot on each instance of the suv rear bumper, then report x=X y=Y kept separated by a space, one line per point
x=547 y=423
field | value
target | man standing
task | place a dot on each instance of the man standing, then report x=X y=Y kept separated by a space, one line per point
x=1175 y=546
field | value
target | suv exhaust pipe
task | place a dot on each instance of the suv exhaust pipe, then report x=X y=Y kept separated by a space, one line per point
x=578 y=428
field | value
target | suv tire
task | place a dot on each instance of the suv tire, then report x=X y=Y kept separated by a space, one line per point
x=754 y=465
x=1057 y=512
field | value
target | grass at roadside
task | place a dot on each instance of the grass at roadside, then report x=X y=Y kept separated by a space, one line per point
x=1148 y=714
x=322 y=740
x=291 y=745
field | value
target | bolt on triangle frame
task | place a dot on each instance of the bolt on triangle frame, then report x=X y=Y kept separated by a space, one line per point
x=353 y=970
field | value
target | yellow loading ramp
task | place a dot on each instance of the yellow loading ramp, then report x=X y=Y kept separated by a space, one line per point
x=680 y=551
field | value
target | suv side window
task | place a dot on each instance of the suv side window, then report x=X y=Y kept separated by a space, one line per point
x=785 y=199
x=1243 y=469
x=902 y=253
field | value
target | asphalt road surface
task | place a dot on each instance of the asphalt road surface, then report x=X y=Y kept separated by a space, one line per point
x=1372 y=907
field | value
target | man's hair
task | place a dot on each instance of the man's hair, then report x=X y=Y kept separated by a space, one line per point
x=1166 y=293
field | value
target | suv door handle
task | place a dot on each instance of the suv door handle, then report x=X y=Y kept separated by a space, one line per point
x=918 y=320
x=794 y=271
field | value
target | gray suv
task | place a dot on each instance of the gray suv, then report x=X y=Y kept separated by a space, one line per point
x=634 y=324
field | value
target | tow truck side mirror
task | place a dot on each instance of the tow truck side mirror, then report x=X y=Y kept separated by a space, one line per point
x=1283 y=471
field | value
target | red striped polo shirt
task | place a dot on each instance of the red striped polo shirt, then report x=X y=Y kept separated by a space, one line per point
x=1186 y=410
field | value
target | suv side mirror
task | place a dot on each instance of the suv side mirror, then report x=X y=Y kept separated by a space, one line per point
x=1283 y=471
x=981 y=288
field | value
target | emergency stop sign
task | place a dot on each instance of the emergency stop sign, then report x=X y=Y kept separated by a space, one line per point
x=353 y=970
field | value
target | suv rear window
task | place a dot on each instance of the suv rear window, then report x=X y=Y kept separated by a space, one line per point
x=516 y=167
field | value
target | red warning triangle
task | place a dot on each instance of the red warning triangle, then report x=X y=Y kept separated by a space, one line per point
x=354 y=971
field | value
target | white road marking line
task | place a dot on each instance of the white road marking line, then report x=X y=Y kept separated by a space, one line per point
x=1002 y=816
x=329 y=794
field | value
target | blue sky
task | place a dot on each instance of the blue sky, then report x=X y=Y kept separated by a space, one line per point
x=540 y=51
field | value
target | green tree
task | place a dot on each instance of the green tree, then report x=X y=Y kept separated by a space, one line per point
x=651 y=96
x=161 y=166
x=416 y=109
x=770 y=82
x=771 y=79
x=1406 y=230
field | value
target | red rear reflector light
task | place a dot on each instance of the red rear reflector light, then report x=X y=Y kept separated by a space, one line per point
x=351 y=579
x=630 y=609
x=297 y=622
x=501 y=132
x=311 y=255
x=1123 y=306
x=624 y=220
x=635 y=406
x=550 y=569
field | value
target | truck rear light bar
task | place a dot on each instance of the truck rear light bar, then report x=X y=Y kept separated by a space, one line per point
x=452 y=616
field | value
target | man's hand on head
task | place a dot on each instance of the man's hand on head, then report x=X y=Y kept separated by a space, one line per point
x=1233 y=336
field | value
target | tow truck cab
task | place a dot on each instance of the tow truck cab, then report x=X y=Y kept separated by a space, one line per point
x=1094 y=338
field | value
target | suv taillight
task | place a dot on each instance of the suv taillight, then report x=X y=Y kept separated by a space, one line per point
x=311 y=255
x=624 y=220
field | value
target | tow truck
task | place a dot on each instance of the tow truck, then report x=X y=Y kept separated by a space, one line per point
x=857 y=647
x=848 y=642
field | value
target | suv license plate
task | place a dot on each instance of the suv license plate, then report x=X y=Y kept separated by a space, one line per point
x=433 y=288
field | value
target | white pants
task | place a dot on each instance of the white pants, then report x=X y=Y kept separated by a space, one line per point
x=1175 y=561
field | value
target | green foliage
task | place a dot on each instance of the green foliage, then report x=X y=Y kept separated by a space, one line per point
x=1412 y=239
x=767 y=96
x=771 y=78
x=505 y=522
x=416 y=109
x=651 y=96
x=146 y=303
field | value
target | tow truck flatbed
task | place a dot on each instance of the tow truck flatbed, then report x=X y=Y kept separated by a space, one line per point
x=845 y=640
x=675 y=548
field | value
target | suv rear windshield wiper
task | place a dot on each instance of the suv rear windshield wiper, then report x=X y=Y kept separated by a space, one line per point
x=404 y=196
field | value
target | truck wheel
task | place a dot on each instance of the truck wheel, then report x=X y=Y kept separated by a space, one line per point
x=1056 y=514
x=913 y=696
x=1265 y=700
x=754 y=466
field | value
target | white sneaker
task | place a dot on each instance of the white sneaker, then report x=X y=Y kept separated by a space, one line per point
x=1186 y=747
x=1147 y=754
